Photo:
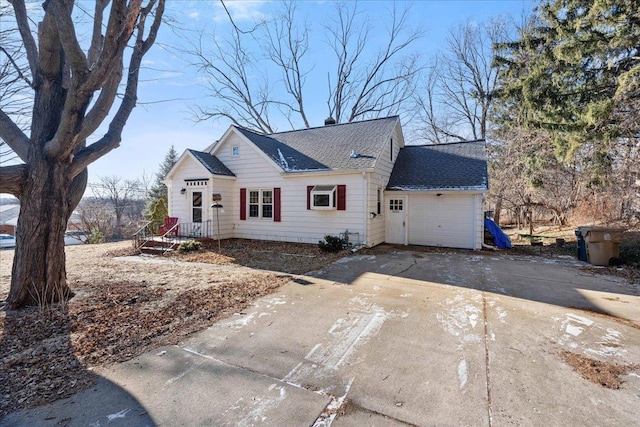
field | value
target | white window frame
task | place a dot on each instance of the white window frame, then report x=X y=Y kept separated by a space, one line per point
x=235 y=151
x=263 y=197
x=396 y=205
x=331 y=191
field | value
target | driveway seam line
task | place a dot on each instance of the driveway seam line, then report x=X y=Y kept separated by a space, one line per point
x=372 y=411
x=280 y=380
x=486 y=358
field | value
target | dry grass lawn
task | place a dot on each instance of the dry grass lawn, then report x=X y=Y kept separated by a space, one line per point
x=126 y=305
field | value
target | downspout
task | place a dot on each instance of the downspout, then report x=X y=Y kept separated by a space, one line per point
x=365 y=207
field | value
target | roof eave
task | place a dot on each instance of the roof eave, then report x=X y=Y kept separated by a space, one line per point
x=327 y=172
x=439 y=190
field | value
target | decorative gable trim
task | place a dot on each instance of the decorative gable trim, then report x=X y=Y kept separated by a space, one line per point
x=202 y=182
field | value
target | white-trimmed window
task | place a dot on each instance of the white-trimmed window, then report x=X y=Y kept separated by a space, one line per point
x=323 y=197
x=235 y=151
x=261 y=204
x=378 y=201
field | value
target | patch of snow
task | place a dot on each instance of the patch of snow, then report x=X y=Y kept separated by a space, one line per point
x=356 y=258
x=331 y=411
x=579 y=319
x=240 y=323
x=118 y=415
x=283 y=161
x=462 y=373
x=255 y=412
x=573 y=330
x=340 y=347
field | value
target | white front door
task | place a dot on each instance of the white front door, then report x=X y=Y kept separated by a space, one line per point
x=197 y=205
x=396 y=220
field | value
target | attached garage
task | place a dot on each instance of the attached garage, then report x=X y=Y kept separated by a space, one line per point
x=447 y=220
x=442 y=189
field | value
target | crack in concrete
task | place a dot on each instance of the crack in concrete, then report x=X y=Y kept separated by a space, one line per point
x=374 y=412
x=486 y=356
x=415 y=262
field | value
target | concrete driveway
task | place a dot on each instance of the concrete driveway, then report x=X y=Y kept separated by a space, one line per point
x=401 y=338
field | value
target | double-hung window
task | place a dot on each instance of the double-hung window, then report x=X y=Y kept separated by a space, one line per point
x=323 y=197
x=260 y=203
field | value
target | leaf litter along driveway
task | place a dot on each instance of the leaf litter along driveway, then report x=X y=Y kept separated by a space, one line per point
x=124 y=306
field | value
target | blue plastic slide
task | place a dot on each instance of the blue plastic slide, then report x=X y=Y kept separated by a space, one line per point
x=500 y=239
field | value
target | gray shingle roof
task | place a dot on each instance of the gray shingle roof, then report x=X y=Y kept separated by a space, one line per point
x=455 y=166
x=327 y=147
x=213 y=165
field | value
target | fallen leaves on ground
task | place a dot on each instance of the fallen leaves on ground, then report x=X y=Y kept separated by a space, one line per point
x=291 y=258
x=44 y=355
x=603 y=373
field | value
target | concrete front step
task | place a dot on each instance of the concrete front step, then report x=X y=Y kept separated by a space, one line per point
x=155 y=250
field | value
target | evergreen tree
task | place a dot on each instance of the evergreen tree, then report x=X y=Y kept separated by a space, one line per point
x=158 y=189
x=158 y=214
x=575 y=72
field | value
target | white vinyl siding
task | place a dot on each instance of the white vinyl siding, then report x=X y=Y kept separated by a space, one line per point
x=255 y=171
x=379 y=179
x=180 y=204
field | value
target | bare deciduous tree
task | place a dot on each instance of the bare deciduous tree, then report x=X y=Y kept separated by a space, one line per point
x=73 y=92
x=358 y=87
x=362 y=88
x=120 y=194
x=457 y=92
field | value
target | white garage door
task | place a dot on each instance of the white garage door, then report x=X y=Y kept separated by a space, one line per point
x=446 y=220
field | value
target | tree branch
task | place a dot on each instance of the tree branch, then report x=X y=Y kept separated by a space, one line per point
x=14 y=137
x=27 y=39
x=73 y=52
x=13 y=179
x=114 y=135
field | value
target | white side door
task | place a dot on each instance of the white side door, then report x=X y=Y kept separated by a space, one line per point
x=396 y=220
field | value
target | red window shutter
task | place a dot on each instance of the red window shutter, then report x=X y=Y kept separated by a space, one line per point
x=309 y=188
x=342 y=197
x=243 y=204
x=276 y=205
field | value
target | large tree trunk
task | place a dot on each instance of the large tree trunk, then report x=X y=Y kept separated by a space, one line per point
x=39 y=271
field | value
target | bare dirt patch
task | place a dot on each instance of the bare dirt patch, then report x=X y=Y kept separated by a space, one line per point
x=603 y=373
x=125 y=306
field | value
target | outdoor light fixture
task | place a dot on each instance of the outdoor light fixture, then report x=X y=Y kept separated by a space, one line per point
x=373 y=214
x=183 y=191
x=439 y=194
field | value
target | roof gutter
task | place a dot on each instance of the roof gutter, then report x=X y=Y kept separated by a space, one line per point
x=326 y=172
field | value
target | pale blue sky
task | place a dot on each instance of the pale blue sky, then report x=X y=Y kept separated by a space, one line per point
x=154 y=125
